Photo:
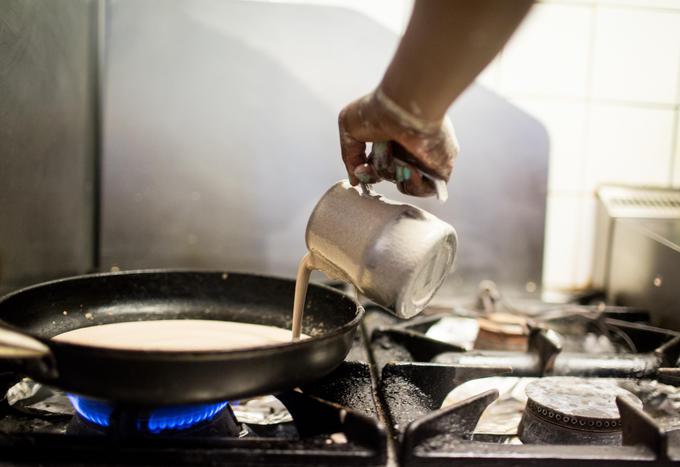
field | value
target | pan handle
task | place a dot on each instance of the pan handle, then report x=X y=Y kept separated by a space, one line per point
x=28 y=353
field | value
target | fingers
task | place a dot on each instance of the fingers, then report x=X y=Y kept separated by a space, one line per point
x=410 y=180
x=366 y=173
x=400 y=151
x=379 y=164
x=434 y=152
x=353 y=150
x=381 y=158
x=391 y=162
x=357 y=126
x=445 y=152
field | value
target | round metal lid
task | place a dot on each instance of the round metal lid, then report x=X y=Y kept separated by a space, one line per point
x=578 y=403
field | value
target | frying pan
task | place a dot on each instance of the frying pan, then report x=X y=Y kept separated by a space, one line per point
x=30 y=317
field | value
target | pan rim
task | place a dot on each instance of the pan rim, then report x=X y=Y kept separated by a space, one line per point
x=180 y=354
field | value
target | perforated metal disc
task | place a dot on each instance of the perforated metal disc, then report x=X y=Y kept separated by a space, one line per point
x=578 y=403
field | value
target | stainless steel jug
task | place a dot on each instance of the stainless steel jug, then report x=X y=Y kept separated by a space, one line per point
x=396 y=254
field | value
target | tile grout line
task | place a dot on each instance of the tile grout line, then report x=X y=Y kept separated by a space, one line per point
x=566 y=193
x=594 y=100
x=675 y=144
x=652 y=9
x=585 y=144
x=674 y=151
x=613 y=6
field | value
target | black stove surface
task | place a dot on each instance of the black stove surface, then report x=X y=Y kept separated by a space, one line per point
x=403 y=397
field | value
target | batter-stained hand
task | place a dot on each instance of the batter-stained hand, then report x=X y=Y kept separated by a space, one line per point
x=402 y=143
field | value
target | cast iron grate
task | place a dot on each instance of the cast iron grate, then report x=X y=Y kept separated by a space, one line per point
x=413 y=389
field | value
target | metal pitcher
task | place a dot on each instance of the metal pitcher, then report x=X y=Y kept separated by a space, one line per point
x=396 y=254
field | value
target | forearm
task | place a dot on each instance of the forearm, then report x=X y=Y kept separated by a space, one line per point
x=446 y=45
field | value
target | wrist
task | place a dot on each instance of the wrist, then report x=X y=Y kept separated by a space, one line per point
x=411 y=97
x=404 y=115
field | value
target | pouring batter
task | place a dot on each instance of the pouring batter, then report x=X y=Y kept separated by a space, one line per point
x=446 y=45
x=301 y=283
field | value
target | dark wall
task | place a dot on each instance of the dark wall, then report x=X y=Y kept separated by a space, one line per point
x=47 y=139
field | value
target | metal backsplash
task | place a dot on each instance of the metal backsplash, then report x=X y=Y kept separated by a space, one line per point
x=220 y=136
x=47 y=139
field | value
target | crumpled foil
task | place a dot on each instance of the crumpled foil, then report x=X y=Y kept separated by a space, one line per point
x=34 y=398
x=265 y=410
x=455 y=330
x=501 y=417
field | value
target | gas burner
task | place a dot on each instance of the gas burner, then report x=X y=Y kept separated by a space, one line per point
x=97 y=416
x=565 y=410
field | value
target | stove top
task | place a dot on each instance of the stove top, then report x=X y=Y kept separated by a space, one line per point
x=460 y=386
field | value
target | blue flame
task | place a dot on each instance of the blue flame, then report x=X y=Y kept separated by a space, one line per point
x=94 y=411
x=178 y=417
x=182 y=417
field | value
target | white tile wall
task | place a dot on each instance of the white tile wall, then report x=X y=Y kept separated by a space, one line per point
x=561 y=241
x=636 y=55
x=583 y=257
x=565 y=121
x=629 y=145
x=603 y=76
x=549 y=54
x=676 y=159
x=647 y=4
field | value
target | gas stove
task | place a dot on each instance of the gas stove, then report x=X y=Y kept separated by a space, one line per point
x=333 y=421
x=486 y=384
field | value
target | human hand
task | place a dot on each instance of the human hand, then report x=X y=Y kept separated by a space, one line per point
x=412 y=145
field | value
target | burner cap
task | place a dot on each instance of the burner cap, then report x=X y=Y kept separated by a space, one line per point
x=564 y=410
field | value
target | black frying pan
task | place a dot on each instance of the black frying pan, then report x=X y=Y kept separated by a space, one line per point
x=29 y=317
